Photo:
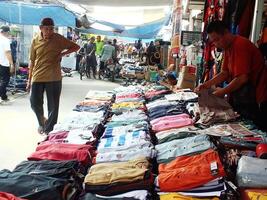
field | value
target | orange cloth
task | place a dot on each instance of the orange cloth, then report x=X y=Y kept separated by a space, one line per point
x=243 y=57
x=254 y=194
x=175 y=196
x=187 y=172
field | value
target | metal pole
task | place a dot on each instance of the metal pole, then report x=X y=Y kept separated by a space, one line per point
x=257 y=17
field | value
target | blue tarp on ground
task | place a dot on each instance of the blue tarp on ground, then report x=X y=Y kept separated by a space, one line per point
x=32 y=14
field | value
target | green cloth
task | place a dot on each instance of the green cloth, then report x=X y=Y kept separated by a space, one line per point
x=99 y=48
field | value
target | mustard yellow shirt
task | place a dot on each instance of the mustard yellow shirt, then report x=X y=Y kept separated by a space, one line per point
x=45 y=57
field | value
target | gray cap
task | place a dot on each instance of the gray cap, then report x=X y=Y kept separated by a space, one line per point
x=4 y=29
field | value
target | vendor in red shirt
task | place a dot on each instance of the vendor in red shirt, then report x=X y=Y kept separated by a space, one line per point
x=243 y=68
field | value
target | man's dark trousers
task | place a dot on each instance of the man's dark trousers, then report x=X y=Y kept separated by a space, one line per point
x=4 y=80
x=53 y=91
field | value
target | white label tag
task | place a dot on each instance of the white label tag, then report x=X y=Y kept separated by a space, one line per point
x=214 y=168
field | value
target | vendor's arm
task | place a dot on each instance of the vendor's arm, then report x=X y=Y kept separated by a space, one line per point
x=219 y=78
x=235 y=84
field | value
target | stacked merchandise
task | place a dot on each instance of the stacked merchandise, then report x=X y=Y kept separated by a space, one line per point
x=241 y=146
x=57 y=168
x=19 y=80
x=188 y=162
x=153 y=91
x=151 y=144
x=123 y=163
x=133 y=71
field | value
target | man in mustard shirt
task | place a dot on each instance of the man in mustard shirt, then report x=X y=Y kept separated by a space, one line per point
x=47 y=50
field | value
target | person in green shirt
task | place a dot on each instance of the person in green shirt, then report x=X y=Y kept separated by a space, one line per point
x=99 y=45
x=99 y=49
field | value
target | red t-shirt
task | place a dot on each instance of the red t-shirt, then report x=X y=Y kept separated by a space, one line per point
x=243 y=57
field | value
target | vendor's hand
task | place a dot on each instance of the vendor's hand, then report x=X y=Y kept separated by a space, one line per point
x=219 y=92
x=200 y=87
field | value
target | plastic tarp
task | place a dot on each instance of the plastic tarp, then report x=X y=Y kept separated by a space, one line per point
x=32 y=14
x=145 y=31
x=116 y=27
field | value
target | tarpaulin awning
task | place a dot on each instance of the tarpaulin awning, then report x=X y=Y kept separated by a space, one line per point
x=32 y=14
x=145 y=31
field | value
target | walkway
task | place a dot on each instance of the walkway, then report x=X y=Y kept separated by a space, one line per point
x=18 y=125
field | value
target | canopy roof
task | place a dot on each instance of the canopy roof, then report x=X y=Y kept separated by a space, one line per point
x=32 y=14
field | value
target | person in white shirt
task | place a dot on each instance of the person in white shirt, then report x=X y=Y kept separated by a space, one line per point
x=6 y=63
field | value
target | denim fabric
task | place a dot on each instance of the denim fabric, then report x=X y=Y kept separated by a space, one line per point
x=175 y=148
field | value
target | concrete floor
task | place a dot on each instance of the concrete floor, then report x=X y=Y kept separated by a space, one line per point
x=18 y=124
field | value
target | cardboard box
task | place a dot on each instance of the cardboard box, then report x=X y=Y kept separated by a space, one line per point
x=190 y=69
x=186 y=80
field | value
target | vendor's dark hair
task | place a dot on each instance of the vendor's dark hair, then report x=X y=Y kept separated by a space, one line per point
x=171 y=76
x=217 y=27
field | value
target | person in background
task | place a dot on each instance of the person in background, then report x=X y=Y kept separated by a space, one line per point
x=152 y=54
x=117 y=50
x=79 y=42
x=130 y=51
x=99 y=48
x=6 y=62
x=243 y=68
x=46 y=52
x=172 y=69
x=107 y=53
x=13 y=47
x=91 y=62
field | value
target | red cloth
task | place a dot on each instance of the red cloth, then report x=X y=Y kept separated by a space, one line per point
x=7 y=196
x=243 y=57
x=64 y=151
x=187 y=172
